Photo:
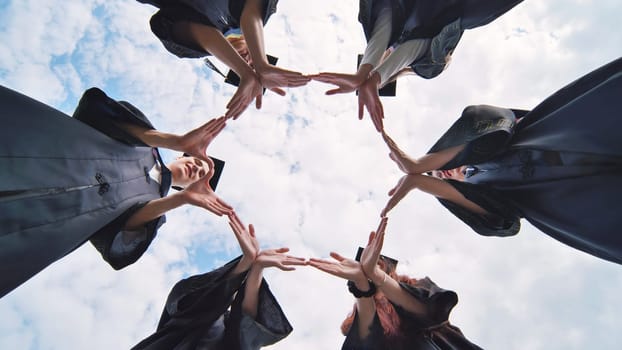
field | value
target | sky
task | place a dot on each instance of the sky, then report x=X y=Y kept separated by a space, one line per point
x=312 y=177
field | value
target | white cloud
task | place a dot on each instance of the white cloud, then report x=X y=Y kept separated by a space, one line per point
x=524 y=292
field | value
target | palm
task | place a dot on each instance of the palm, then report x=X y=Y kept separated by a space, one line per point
x=371 y=253
x=250 y=88
x=195 y=142
x=277 y=258
x=273 y=77
x=201 y=195
x=404 y=185
x=370 y=100
x=345 y=82
x=245 y=237
x=403 y=161
x=344 y=268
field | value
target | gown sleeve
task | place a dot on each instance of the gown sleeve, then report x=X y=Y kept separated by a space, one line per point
x=484 y=130
x=270 y=325
x=101 y=112
x=194 y=310
x=120 y=247
x=502 y=220
x=162 y=26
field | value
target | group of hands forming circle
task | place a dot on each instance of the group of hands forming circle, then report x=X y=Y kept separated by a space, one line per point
x=199 y=193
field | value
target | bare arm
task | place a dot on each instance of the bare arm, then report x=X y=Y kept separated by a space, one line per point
x=266 y=258
x=251 y=23
x=436 y=187
x=153 y=210
x=214 y=42
x=428 y=162
x=152 y=137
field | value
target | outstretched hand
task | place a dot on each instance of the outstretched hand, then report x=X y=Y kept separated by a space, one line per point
x=343 y=267
x=277 y=258
x=195 y=142
x=245 y=237
x=404 y=185
x=274 y=78
x=201 y=195
x=371 y=253
x=345 y=82
x=250 y=88
x=370 y=100
x=403 y=161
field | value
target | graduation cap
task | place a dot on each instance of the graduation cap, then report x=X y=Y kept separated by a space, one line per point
x=387 y=90
x=213 y=182
x=389 y=262
x=231 y=77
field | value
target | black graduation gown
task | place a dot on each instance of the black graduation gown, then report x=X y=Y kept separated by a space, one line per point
x=559 y=167
x=66 y=180
x=443 y=21
x=197 y=316
x=220 y=14
x=433 y=332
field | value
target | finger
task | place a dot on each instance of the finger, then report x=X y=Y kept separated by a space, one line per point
x=278 y=91
x=251 y=230
x=223 y=203
x=336 y=256
x=258 y=101
x=285 y=268
x=371 y=237
x=377 y=123
x=382 y=226
x=335 y=91
x=282 y=250
x=360 y=109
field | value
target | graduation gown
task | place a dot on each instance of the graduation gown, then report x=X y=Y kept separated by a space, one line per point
x=559 y=167
x=204 y=312
x=443 y=21
x=223 y=15
x=433 y=332
x=64 y=181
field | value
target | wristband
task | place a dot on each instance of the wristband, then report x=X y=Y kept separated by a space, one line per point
x=359 y=293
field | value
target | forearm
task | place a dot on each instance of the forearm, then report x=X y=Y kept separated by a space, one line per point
x=251 y=291
x=214 y=42
x=366 y=309
x=435 y=161
x=401 y=58
x=154 y=209
x=442 y=189
x=396 y=294
x=251 y=23
x=152 y=137
x=379 y=40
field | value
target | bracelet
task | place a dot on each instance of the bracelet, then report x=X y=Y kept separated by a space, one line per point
x=359 y=293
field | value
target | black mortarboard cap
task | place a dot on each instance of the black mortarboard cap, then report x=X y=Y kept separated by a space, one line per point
x=389 y=89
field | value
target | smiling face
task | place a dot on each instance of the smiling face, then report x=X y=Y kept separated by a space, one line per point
x=187 y=170
x=454 y=174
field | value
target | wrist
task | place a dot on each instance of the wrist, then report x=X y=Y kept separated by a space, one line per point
x=374 y=79
x=362 y=292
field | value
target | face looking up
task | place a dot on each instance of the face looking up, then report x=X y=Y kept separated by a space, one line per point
x=454 y=174
x=187 y=170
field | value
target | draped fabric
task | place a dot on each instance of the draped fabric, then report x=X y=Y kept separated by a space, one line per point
x=443 y=21
x=204 y=312
x=559 y=167
x=431 y=332
x=67 y=180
